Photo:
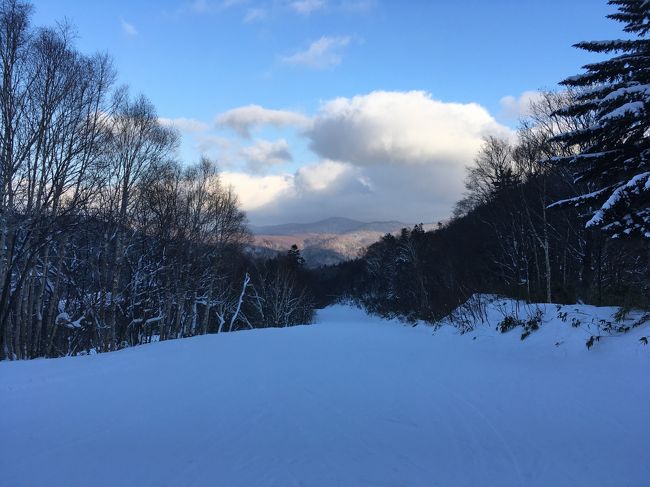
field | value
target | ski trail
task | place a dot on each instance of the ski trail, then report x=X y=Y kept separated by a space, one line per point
x=352 y=401
x=504 y=442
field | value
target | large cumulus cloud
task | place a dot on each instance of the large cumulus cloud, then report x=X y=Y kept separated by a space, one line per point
x=403 y=128
x=379 y=156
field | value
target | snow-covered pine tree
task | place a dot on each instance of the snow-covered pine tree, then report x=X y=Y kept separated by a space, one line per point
x=616 y=162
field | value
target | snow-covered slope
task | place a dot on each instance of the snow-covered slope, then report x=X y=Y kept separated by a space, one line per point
x=350 y=401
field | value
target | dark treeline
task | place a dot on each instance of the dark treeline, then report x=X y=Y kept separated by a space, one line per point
x=502 y=240
x=106 y=240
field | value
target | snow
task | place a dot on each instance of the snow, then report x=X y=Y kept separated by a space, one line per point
x=633 y=108
x=352 y=400
x=579 y=199
x=616 y=196
x=643 y=89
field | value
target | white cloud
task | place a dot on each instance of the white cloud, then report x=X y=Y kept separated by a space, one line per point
x=332 y=188
x=403 y=128
x=207 y=6
x=321 y=54
x=128 y=29
x=380 y=156
x=257 y=191
x=223 y=149
x=260 y=10
x=357 y=5
x=200 y=6
x=384 y=155
x=232 y=3
x=518 y=107
x=243 y=119
x=185 y=124
x=210 y=143
x=305 y=7
x=319 y=177
x=314 y=191
x=264 y=154
x=254 y=14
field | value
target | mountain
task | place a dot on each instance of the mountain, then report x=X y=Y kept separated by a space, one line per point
x=324 y=242
x=335 y=226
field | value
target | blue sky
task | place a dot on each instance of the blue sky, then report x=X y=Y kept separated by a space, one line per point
x=197 y=60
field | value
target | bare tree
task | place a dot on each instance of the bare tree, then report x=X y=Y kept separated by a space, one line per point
x=50 y=102
x=136 y=142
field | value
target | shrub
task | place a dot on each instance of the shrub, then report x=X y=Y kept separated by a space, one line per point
x=508 y=323
x=532 y=324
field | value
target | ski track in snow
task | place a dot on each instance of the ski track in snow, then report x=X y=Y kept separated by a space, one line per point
x=350 y=401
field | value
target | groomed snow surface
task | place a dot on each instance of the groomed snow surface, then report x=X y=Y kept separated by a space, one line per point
x=350 y=401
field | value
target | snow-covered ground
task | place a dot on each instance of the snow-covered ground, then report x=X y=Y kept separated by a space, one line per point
x=350 y=401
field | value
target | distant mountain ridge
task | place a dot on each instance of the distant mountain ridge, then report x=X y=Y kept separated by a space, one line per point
x=325 y=242
x=334 y=225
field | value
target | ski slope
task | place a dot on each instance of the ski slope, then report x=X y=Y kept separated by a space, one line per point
x=350 y=401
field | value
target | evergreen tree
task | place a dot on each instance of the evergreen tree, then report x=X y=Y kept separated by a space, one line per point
x=616 y=162
x=295 y=259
